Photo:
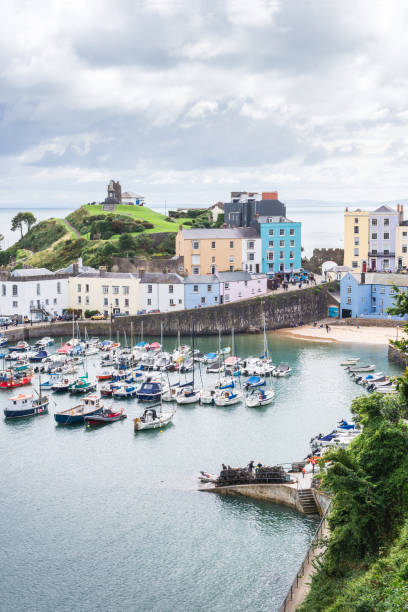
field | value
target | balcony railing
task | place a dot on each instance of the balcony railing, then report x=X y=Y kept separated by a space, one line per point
x=381 y=254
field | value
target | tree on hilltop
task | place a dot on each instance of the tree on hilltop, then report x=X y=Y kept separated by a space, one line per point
x=22 y=218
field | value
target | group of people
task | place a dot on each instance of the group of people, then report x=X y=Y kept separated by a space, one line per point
x=322 y=325
x=252 y=468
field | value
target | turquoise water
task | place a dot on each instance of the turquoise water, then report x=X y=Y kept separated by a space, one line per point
x=106 y=519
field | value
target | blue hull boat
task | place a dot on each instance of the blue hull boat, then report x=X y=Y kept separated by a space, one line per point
x=90 y=406
x=149 y=391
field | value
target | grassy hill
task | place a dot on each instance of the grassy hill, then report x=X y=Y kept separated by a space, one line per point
x=55 y=243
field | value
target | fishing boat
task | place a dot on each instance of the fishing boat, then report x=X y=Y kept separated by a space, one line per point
x=260 y=397
x=10 y=379
x=350 y=362
x=90 y=405
x=105 y=376
x=153 y=419
x=228 y=397
x=22 y=366
x=106 y=416
x=149 y=391
x=3 y=341
x=81 y=385
x=24 y=405
x=108 y=389
x=123 y=391
x=283 y=369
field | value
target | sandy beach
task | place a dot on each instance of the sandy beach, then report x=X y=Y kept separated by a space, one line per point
x=337 y=333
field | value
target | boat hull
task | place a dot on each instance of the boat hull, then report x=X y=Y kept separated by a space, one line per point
x=161 y=422
x=28 y=412
x=11 y=384
x=70 y=418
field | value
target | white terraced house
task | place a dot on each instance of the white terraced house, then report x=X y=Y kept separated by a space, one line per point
x=33 y=293
x=159 y=291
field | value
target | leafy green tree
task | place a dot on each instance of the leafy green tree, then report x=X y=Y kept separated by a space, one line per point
x=1 y=240
x=126 y=243
x=20 y=219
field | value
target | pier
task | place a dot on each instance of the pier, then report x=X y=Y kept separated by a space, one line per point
x=297 y=493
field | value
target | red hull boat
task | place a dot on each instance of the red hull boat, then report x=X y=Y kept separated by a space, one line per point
x=15 y=382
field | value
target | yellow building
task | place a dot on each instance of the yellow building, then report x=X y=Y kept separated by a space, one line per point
x=109 y=293
x=207 y=251
x=401 y=246
x=356 y=239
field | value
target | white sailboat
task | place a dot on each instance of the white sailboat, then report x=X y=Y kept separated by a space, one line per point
x=259 y=396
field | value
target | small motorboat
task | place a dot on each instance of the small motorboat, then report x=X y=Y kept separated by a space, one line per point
x=62 y=385
x=361 y=368
x=350 y=362
x=210 y=358
x=3 y=341
x=216 y=367
x=260 y=397
x=81 y=385
x=106 y=416
x=21 y=347
x=23 y=405
x=108 y=389
x=207 y=477
x=228 y=398
x=46 y=341
x=90 y=405
x=283 y=369
x=124 y=391
x=91 y=350
x=151 y=419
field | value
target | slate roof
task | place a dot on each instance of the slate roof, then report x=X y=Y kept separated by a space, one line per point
x=264 y=219
x=32 y=272
x=228 y=232
x=385 y=209
x=100 y=274
x=234 y=276
x=382 y=278
x=198 y=279
x=160 y=277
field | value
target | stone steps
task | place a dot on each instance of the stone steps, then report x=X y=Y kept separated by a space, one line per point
x=307 y=501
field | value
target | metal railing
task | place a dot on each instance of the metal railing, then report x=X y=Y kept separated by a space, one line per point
x=305 y=562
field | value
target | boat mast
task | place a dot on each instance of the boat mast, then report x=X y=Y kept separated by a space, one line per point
x=161 y=335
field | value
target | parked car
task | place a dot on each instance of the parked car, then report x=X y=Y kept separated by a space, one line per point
x=141 y=312
x=97 y=317
x=154 y=311
x=120 y=314
x=5 y=321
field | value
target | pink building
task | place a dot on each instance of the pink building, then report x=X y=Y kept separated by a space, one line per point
x=236 y=286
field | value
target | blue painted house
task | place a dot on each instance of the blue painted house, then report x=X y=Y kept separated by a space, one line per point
x=201 y=290
x=281 y=245
x=369 y=295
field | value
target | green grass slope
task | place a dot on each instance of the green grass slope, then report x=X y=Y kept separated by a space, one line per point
x=137 y=213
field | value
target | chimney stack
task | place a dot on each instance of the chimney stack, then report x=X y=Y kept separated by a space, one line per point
x=346 y=208
x=75 y=268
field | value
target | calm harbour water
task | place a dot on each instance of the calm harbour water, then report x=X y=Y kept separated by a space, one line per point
x=111 y=520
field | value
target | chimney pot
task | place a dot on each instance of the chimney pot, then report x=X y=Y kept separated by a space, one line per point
x=346 y=208
x=75 y=268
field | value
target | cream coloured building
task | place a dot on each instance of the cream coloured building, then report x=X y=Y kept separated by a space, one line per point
x=107 y=292
x=208 y=251
x=401 y=246
x=356 y=239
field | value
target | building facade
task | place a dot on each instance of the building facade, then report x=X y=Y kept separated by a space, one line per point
x=163 y=292
x=110 y=293
x=236 y=286
x=208 y=251
x=369 y=295
x=245 y=207
x=401 y=246
x=371 y=239
x=35 y=294
x=281 y=245
x=252 y=255
x=201 y=290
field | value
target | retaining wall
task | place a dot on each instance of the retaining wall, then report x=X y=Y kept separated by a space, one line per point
x=362 y=322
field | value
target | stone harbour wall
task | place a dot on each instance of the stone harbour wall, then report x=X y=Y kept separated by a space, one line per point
x=246 y=316
x=397 y=356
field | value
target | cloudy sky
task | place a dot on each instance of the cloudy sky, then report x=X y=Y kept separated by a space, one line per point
x=186 y=100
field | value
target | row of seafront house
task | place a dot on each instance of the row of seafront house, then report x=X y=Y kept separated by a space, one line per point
x=375 y=262
x=219 y=266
